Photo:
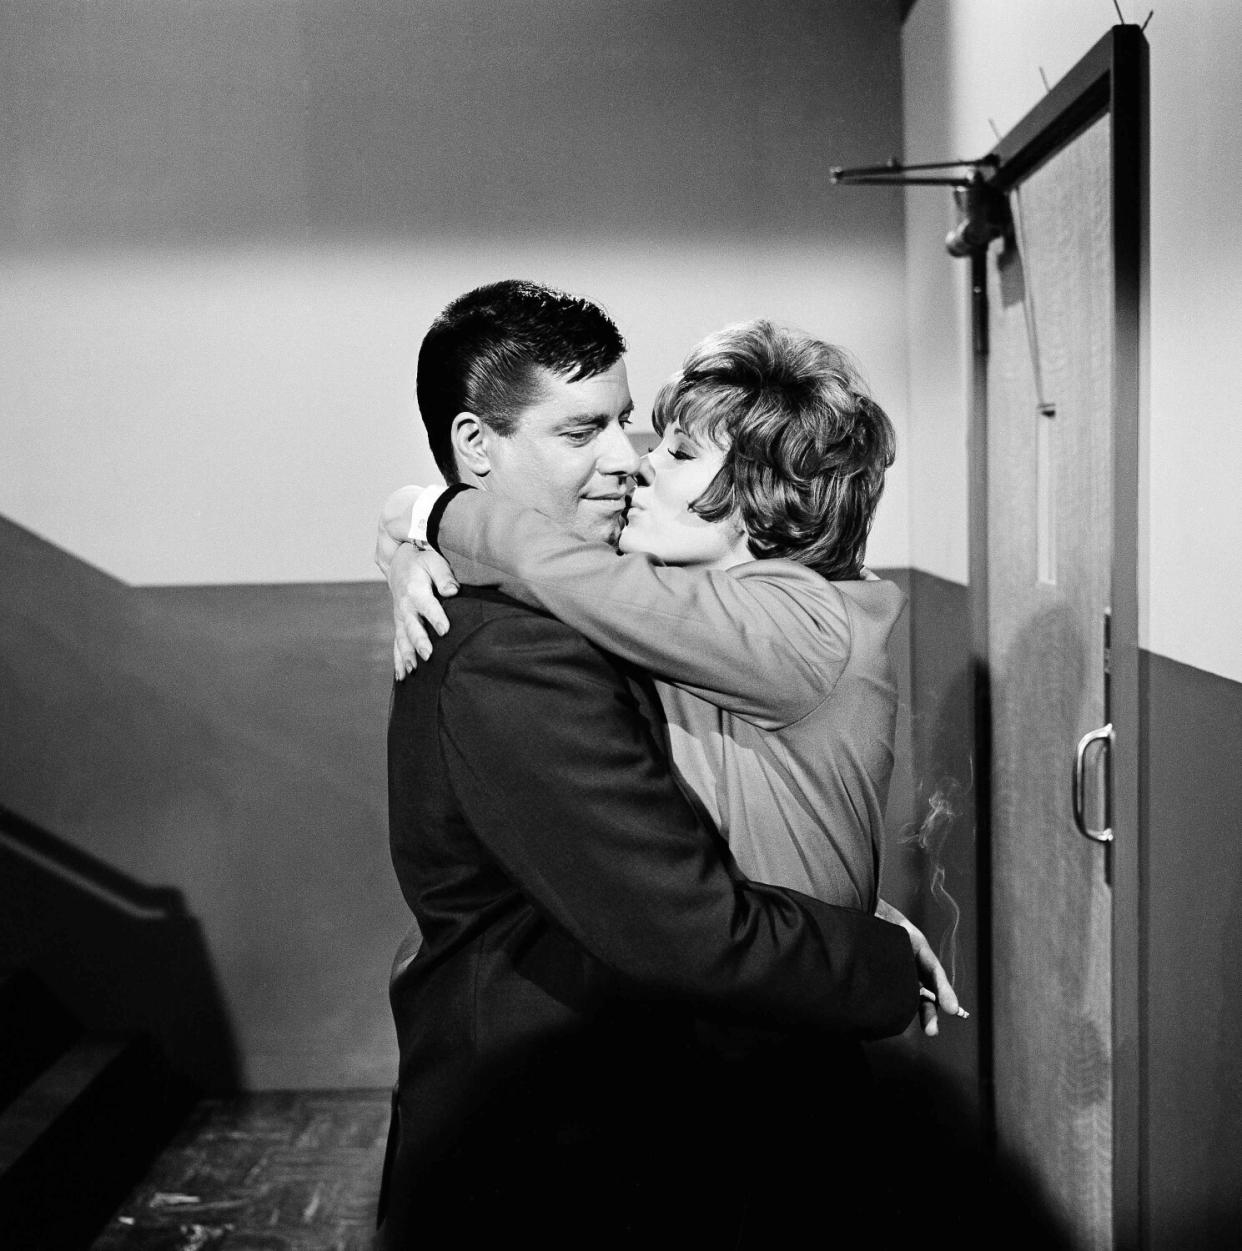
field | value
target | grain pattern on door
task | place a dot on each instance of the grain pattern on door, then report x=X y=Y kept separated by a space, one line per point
x=1049 y=466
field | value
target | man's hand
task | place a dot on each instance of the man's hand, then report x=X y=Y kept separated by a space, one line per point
x=414 y=578
x=936 y=991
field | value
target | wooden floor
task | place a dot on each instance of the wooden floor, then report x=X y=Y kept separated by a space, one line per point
x=280 y=1171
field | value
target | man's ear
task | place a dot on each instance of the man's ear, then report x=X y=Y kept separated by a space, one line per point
x=468 y=438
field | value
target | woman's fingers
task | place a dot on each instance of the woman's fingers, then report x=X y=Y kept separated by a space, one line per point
x=402 y=662
x=415 y=601
x=411 y=633
x=415 y=577
x=419 y=607
x=441 y=573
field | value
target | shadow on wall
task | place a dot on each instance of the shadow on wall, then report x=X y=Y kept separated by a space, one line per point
x=930 y=871
x=227 y=742
x=121 y=956
x=145 y=126
x=944 y=1172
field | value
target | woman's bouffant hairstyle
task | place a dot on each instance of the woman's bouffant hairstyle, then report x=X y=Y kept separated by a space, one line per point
x=806 y=446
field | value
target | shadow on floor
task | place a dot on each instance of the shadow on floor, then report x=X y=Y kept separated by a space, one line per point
x=940 y=1175
x=276 y=1170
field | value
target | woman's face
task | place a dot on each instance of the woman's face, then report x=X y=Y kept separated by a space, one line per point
x=672 y=476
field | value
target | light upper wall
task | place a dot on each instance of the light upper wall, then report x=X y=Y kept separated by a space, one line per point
x=968 y=61
x=225 y=227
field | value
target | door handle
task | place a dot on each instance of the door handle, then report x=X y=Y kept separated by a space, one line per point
x=1104 y=737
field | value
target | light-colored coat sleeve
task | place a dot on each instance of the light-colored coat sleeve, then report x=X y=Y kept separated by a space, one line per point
x=766 y=640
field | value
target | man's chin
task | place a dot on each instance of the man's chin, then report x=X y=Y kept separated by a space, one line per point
x=600 y=530
x=611 y=533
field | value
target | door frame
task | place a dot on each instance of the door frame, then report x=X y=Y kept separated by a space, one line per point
x=1112 y=78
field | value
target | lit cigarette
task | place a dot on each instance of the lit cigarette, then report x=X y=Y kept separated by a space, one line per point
x=930 y=996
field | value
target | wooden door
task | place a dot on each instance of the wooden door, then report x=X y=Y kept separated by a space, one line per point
x=1049 y=556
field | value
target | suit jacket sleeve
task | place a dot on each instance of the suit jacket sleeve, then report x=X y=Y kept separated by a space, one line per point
x=766 y=641
x=558 y=774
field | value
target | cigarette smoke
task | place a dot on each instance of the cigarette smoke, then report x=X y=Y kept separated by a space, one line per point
x=944 y=806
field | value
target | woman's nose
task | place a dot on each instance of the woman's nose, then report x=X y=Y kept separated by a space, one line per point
x=645 y=475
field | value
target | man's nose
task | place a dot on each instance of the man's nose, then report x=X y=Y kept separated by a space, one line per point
x=617 y=454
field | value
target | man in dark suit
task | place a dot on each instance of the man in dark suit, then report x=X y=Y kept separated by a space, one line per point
x=579 y=924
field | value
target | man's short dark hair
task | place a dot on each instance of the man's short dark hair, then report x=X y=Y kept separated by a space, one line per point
x=806 y=447
x=485 y=351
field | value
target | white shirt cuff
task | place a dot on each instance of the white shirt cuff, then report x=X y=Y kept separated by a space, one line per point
x=420 y=514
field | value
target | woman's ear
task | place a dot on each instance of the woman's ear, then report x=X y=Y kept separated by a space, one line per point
x=470 y=445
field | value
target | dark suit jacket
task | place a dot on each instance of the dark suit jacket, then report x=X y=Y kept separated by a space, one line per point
x=576 y=917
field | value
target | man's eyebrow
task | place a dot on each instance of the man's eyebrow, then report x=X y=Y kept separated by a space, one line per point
x=595 y=419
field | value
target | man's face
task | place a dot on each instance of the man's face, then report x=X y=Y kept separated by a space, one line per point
x=569 y=457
